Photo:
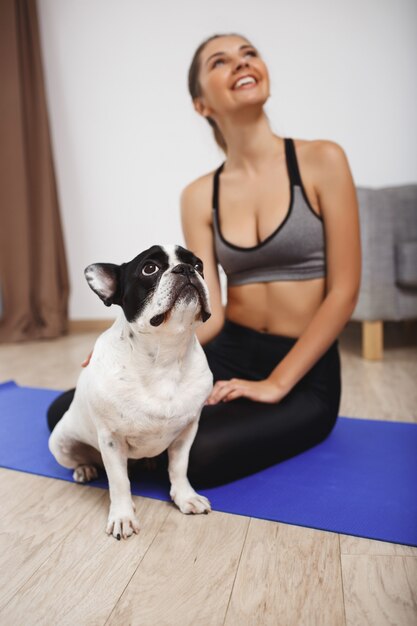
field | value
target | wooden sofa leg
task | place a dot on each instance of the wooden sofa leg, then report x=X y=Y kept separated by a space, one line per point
x=373 y=340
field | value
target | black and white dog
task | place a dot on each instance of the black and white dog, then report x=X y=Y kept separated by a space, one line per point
x=146 y=383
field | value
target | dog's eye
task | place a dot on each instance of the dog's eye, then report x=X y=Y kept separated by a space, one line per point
x=149 y=269
x=199 y=267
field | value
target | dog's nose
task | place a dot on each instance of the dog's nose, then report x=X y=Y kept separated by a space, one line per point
x=183 y=268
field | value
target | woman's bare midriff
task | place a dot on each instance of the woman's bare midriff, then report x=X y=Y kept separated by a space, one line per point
x=280 y=308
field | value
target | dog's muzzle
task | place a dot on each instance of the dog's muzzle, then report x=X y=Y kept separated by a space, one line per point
x=187 y=286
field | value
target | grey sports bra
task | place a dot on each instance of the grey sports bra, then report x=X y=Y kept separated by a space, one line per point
x=294 y=251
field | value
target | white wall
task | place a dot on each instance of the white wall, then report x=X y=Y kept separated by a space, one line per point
x=126 y=138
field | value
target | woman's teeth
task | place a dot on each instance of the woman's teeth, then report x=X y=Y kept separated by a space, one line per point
x=245 y=81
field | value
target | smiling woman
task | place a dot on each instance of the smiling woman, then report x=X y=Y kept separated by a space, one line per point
x=284 y=226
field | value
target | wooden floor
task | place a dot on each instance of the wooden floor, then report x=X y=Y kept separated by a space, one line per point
x=57 y=565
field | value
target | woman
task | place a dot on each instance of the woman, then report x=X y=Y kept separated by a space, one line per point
x=290 y=247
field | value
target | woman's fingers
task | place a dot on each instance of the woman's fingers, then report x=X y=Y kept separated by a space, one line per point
x=87 y=360
x=214 y=396
x=259 y=391
x=222 y=390
x=238 y=392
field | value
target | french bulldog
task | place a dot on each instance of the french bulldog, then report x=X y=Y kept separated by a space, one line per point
x=146 y=383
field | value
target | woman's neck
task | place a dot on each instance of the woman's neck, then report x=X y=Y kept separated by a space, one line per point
x=250 y=142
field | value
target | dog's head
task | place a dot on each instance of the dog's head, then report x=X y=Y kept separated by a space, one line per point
x=162 y=285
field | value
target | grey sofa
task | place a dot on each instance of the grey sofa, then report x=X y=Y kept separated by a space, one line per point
x=388 y=220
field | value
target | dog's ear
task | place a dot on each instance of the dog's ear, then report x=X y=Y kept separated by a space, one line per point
x=104 y=280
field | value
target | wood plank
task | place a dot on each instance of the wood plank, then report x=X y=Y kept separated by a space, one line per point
x=359 y=545
x=53 y=363
x=86 y=574
x=287 y=575
x=33 y=529
x=187 y=575
x=383 y=390
x=15 y=487
x=380 y=590
x=89 y=325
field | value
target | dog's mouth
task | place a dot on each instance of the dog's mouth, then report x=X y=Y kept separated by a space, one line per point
x=187 y=292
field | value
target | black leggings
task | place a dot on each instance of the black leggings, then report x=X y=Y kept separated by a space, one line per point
x=242 y=436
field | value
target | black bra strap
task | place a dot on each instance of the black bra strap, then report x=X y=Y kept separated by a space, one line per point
x=216 y=187
x=292 y=166
x=293 y=171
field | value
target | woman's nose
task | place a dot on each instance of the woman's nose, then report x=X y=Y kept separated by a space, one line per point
x=241 y=63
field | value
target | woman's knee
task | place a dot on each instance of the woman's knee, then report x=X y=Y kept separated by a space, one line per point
x=231 y=442
x=212 y=448
x=317 y=419
x=240 y=438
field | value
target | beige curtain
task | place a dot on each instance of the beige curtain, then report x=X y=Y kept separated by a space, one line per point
x=33 y=270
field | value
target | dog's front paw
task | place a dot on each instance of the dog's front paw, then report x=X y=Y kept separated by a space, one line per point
x=122 y=523
x=85 y=473
x=192 y=502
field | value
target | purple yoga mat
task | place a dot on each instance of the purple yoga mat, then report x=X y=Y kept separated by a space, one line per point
x=360 y=481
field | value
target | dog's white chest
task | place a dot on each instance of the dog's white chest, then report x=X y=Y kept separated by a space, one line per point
x=150 y=428
x=149 y=410
x=150 y=442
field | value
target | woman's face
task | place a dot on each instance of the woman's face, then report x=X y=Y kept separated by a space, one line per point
x=223 y=62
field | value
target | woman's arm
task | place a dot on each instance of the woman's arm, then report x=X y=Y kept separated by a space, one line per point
x=339 y=207
x=196 y=226
x=340 y=213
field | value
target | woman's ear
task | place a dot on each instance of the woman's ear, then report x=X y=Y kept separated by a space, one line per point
x=200 y=107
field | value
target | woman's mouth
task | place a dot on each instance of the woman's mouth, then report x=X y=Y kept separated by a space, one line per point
x=245 y=82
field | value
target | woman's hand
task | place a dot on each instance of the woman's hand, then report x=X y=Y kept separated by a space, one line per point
x=87 y=360
x=260 y=391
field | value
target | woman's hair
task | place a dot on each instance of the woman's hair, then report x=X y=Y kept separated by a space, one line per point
x=195 y=88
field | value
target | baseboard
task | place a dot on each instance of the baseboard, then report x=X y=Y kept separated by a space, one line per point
x=89 y=326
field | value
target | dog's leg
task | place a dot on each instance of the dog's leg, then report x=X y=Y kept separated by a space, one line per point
x=122 y=521
x=184 y=496
x=74 y=454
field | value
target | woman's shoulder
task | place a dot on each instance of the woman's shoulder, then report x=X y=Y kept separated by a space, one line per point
x=202 y=183
x=319 y=151
x=321 y=161
x=197 y=195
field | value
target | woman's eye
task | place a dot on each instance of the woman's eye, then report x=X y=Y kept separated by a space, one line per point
x=149 y=269
x=251 y=53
